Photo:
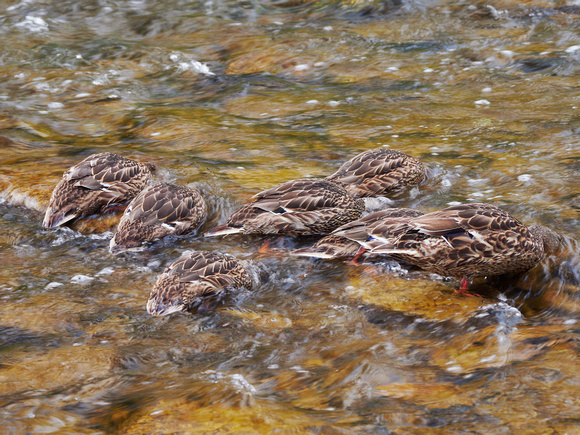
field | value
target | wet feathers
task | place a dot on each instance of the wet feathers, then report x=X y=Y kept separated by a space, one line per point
x=297 y=207
x=158 y=211
x=378 y=172
x=192 y=277
x=464 y=241
x=91 y=186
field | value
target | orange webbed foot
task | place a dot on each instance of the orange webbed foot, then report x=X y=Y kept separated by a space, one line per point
x=354 y=261
x=462 y=290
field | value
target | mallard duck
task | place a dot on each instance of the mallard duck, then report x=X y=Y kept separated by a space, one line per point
x=378 y=172
x=159 y=210
x=91 y=186
x=347 y=240
x=193 y=277
x=463 y=241
x=297 y=207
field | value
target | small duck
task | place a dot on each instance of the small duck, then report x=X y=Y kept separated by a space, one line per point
x=295 y=208
x=347 y=240
x=91 y=186
x=159 y=210
x=193 y=278
x=465 y=241
x=378 y=172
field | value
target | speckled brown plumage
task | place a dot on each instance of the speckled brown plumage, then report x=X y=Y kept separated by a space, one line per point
x=91 y=186
x=297 y=207
x=193 y=276
x=378 y=172
x=463 y=241
x=346 y=240
x=159 y=210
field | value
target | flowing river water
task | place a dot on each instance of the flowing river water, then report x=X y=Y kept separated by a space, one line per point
x=233 y=97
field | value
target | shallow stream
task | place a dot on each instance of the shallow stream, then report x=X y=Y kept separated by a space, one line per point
x=234 y=97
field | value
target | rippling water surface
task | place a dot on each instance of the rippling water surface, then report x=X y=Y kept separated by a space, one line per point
x=235 y=97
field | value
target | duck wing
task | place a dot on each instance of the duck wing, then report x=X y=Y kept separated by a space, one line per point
x=192 y=276
x=159 y=210
x=378 y=172
x=307 y=206
x=97 y=182
x=346 y=240
x=179 y=207
x=465 y=240
x=115 y=175
x=218 y=271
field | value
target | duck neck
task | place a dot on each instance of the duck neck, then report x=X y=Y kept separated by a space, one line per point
x=547 y=238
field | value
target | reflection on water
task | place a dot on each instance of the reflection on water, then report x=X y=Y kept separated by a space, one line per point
x=235 y=97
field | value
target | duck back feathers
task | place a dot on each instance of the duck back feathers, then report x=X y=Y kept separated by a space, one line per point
x=192 y=277
x=378 y=172
x=463 y=241
x=158 y=211
x=297 y=207
x=346 y=240
x=96 y=183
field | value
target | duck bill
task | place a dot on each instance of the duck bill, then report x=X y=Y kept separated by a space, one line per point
x=118 y=249
x=156 y=308
x=115 y=248
x=54 y=219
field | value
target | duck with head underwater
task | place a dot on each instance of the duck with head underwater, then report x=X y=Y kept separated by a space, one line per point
x=98 y=182
x=378 y=172
x=159 y=210
x=295 y=208
x=194 y=277
x=464 y=241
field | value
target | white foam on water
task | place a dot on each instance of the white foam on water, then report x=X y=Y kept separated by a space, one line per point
x=33 y=24
x=16 y=197
x=376 y=204
x=237 y=380
x=81 y=279
x=106 y=271
x=52 y=285
x=184 y=63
